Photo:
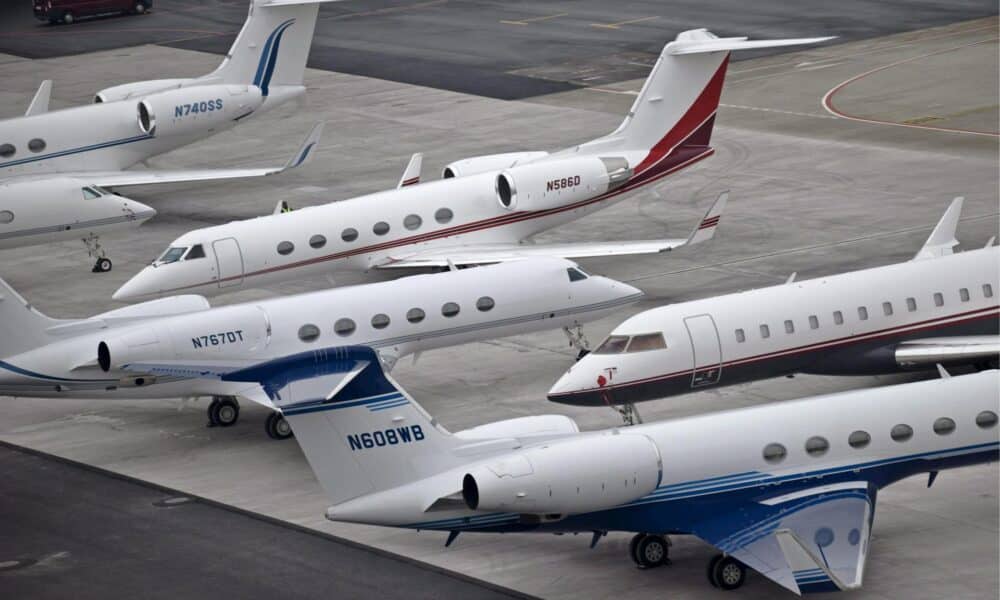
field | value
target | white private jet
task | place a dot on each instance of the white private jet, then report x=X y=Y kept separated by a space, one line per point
x=787 y=489
x=55 y=167
x=940 y=307
x=146 y=350
x=485 y=208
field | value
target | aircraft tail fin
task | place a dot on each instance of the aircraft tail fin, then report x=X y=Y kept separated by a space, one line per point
x=272 y=47
x=22 y=326
x=359 y=430
x=942 y=240
x=672 y=118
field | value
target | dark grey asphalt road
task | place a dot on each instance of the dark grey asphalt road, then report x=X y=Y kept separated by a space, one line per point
x=509 y=49
x=70 y=532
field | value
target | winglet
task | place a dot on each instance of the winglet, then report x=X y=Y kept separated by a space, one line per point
x=305 y=150
x=809 y=571
x=942 y=240
x=40 y=103
x=411 y=176
x=706 y=227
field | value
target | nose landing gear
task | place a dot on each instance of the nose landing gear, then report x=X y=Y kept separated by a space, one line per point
x=578 y=340
x=94 y=248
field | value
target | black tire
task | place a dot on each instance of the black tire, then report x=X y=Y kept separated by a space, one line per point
x=103 y=265
x=68 y=18
x=140 y=8
x=653 y=551
x=277 y=427
x=729 y=573
x=224 y=411
x=710 y=572
x=633 y=548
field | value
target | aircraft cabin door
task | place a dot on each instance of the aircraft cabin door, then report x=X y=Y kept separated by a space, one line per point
x=706 y=349
x=229 y=262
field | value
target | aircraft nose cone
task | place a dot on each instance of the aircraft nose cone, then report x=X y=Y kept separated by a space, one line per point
x=580 y=385
x=134 y=288
x=139 y=211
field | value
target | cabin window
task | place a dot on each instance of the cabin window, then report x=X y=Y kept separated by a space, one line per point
x=415 y=315
x=817 y=446
x=285 y=248
x=485 y=304
x=963 y=294
x=789 y=327
x=36 y=145
x=859 y=439
x=308 y=333
x=344 y=327
x=412 y=222
x=887 y=309
x=173 y=254
x=838 y=317
x=813 y=322
x=7 y=150
x=911 y=304
x=6 y=217
x=938 y=299
x=765 y=331
x=901 y=432
x=576 y=274
x=380 y=321
x=380 y=228
x=774 y=453
x=349 y=235
x=647 y=341
x=317 y=241
x=987 y=290
x=863 y=313
x=944 y=426
x=986 y=419
x=741 y=336
x=615 y=344
x=196 y=251
x=443 y=215
x=449 y=309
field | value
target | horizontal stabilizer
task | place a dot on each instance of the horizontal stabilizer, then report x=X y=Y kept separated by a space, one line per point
x=695 y=44
x=942 y=240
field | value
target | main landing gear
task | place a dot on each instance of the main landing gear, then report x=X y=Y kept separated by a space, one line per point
x=224 y=411
x=277 y=427
x=94 y=249
x=577 y=340
x=726 y=573
x=649 y=550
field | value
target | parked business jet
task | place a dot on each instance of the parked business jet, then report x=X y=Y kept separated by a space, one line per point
x=939 y=307
x=485 y=208
x=56 y=165
x=786 y=489
x=148 y=350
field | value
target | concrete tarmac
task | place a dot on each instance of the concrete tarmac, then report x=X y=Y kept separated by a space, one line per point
x=812 y=192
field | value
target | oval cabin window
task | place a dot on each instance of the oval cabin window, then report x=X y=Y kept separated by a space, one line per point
x=317 y=241
x=380 y=321
x=349 y=235
x=412 y=222
x=308 y=332
x=443 y=215
x=36 y=145
x=285 y=248
x=774 y=453
x=344 y=327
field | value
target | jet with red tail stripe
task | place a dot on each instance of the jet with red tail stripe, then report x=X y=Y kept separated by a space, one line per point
x=485 y=208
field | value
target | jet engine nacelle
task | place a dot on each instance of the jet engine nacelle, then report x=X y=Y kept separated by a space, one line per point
x=197 y=109
x=234 y=334
x=137 y=89
x=550 y=184
x=574 y=476
x=489 y=162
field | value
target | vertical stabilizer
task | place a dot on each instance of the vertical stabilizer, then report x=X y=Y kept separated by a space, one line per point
x=942 y=240
x=22 y=327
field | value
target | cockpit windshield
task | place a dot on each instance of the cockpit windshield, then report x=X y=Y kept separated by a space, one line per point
x=196 y=251
x=173 y=254
x=90 y=192
x=576 y=274
x=616 y=344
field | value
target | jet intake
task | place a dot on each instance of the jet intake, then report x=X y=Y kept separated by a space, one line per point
x=197 y=109
x=551 y=184
x=489 y=162
x=578 y=475
x=141 y=343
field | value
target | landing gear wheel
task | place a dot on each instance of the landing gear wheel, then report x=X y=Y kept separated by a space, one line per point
x=140 y=7
x=224 y=411
x=652 y=551
x=103 y=265
x=67 y=18
x=277 y=427
x=633 y=548
x=727 y=573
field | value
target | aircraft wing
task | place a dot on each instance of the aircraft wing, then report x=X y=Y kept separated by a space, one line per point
x=153 y=176
x=813 y=540
x=477 y=254
x=930 y=351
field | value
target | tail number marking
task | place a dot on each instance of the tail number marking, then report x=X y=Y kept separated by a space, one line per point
x=386 y=437
x=218 y=339
x=183 y=110
x=561 y=184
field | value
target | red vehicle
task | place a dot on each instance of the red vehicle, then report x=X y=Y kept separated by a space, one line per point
x=67 y=11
